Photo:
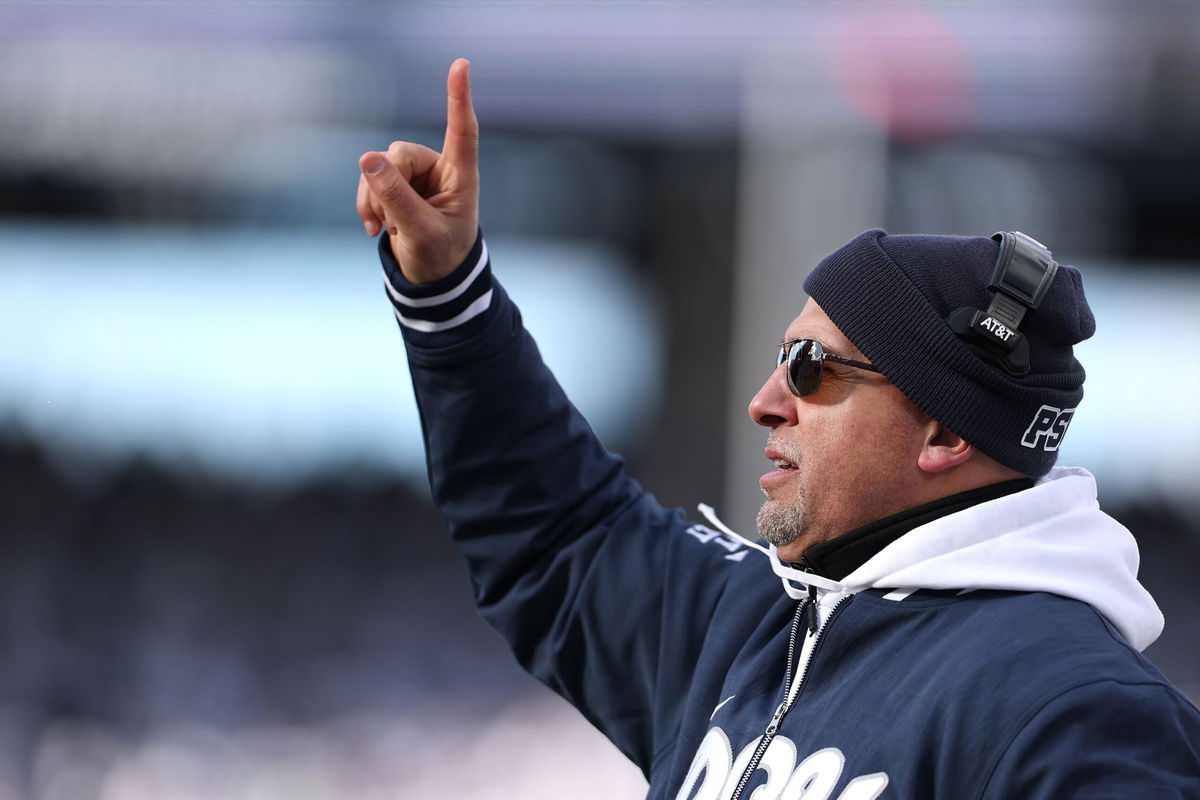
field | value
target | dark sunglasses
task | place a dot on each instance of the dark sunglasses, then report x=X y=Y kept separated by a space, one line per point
x=804 y=358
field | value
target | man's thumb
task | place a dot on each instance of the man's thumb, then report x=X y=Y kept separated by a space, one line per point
x=400 y=201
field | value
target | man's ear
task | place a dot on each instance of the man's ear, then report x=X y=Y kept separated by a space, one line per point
x=943 y=449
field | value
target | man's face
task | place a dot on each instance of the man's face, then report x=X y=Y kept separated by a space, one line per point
x=850 y=448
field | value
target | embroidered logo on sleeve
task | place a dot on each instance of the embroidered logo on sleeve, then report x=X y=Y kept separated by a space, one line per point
x=737 y=550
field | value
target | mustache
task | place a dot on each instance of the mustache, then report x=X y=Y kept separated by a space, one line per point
x=786 y=449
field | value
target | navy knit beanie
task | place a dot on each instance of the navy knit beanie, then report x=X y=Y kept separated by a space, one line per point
x=890 y=296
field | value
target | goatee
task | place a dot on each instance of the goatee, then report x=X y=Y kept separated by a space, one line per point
x=780 y=523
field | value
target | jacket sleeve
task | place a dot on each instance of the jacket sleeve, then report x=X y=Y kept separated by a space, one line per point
x=1105 y=740
x=601 y=593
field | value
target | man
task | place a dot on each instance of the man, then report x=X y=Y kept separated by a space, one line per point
x=957 y=619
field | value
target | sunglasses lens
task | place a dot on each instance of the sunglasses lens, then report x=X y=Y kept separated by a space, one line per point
x=804 y=371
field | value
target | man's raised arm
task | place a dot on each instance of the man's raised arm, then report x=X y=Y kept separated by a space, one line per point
x=601 y=593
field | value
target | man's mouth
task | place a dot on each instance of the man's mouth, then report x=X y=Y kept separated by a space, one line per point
x=778 y=460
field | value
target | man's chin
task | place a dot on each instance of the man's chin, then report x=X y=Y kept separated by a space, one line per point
x=780 y=524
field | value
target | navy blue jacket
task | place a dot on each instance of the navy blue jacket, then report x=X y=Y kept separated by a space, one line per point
x=673 y=639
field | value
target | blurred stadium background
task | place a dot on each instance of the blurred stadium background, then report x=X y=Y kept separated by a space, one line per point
x=221 y=575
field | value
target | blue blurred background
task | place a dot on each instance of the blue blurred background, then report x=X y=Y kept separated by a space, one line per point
x=220 y=571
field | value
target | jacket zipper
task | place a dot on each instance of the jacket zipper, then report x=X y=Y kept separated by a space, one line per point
x=810 y=605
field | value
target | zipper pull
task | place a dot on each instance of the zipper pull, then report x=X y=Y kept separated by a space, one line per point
x=812 y=609
x=773 y=725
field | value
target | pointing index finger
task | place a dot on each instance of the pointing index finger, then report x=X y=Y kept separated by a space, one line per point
x=461 y=147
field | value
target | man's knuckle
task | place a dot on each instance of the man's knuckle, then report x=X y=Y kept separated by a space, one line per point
x=401 y=151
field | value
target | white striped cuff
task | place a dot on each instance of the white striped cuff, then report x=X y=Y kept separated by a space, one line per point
x=445 y=304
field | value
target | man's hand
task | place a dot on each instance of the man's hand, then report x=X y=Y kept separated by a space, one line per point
x=427 y=201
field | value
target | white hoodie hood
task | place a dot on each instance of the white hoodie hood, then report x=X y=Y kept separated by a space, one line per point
x=1050 y=538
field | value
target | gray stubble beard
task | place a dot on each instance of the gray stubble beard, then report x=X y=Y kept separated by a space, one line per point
x=780 y=523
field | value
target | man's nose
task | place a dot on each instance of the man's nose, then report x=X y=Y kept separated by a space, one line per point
x=774 y=405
